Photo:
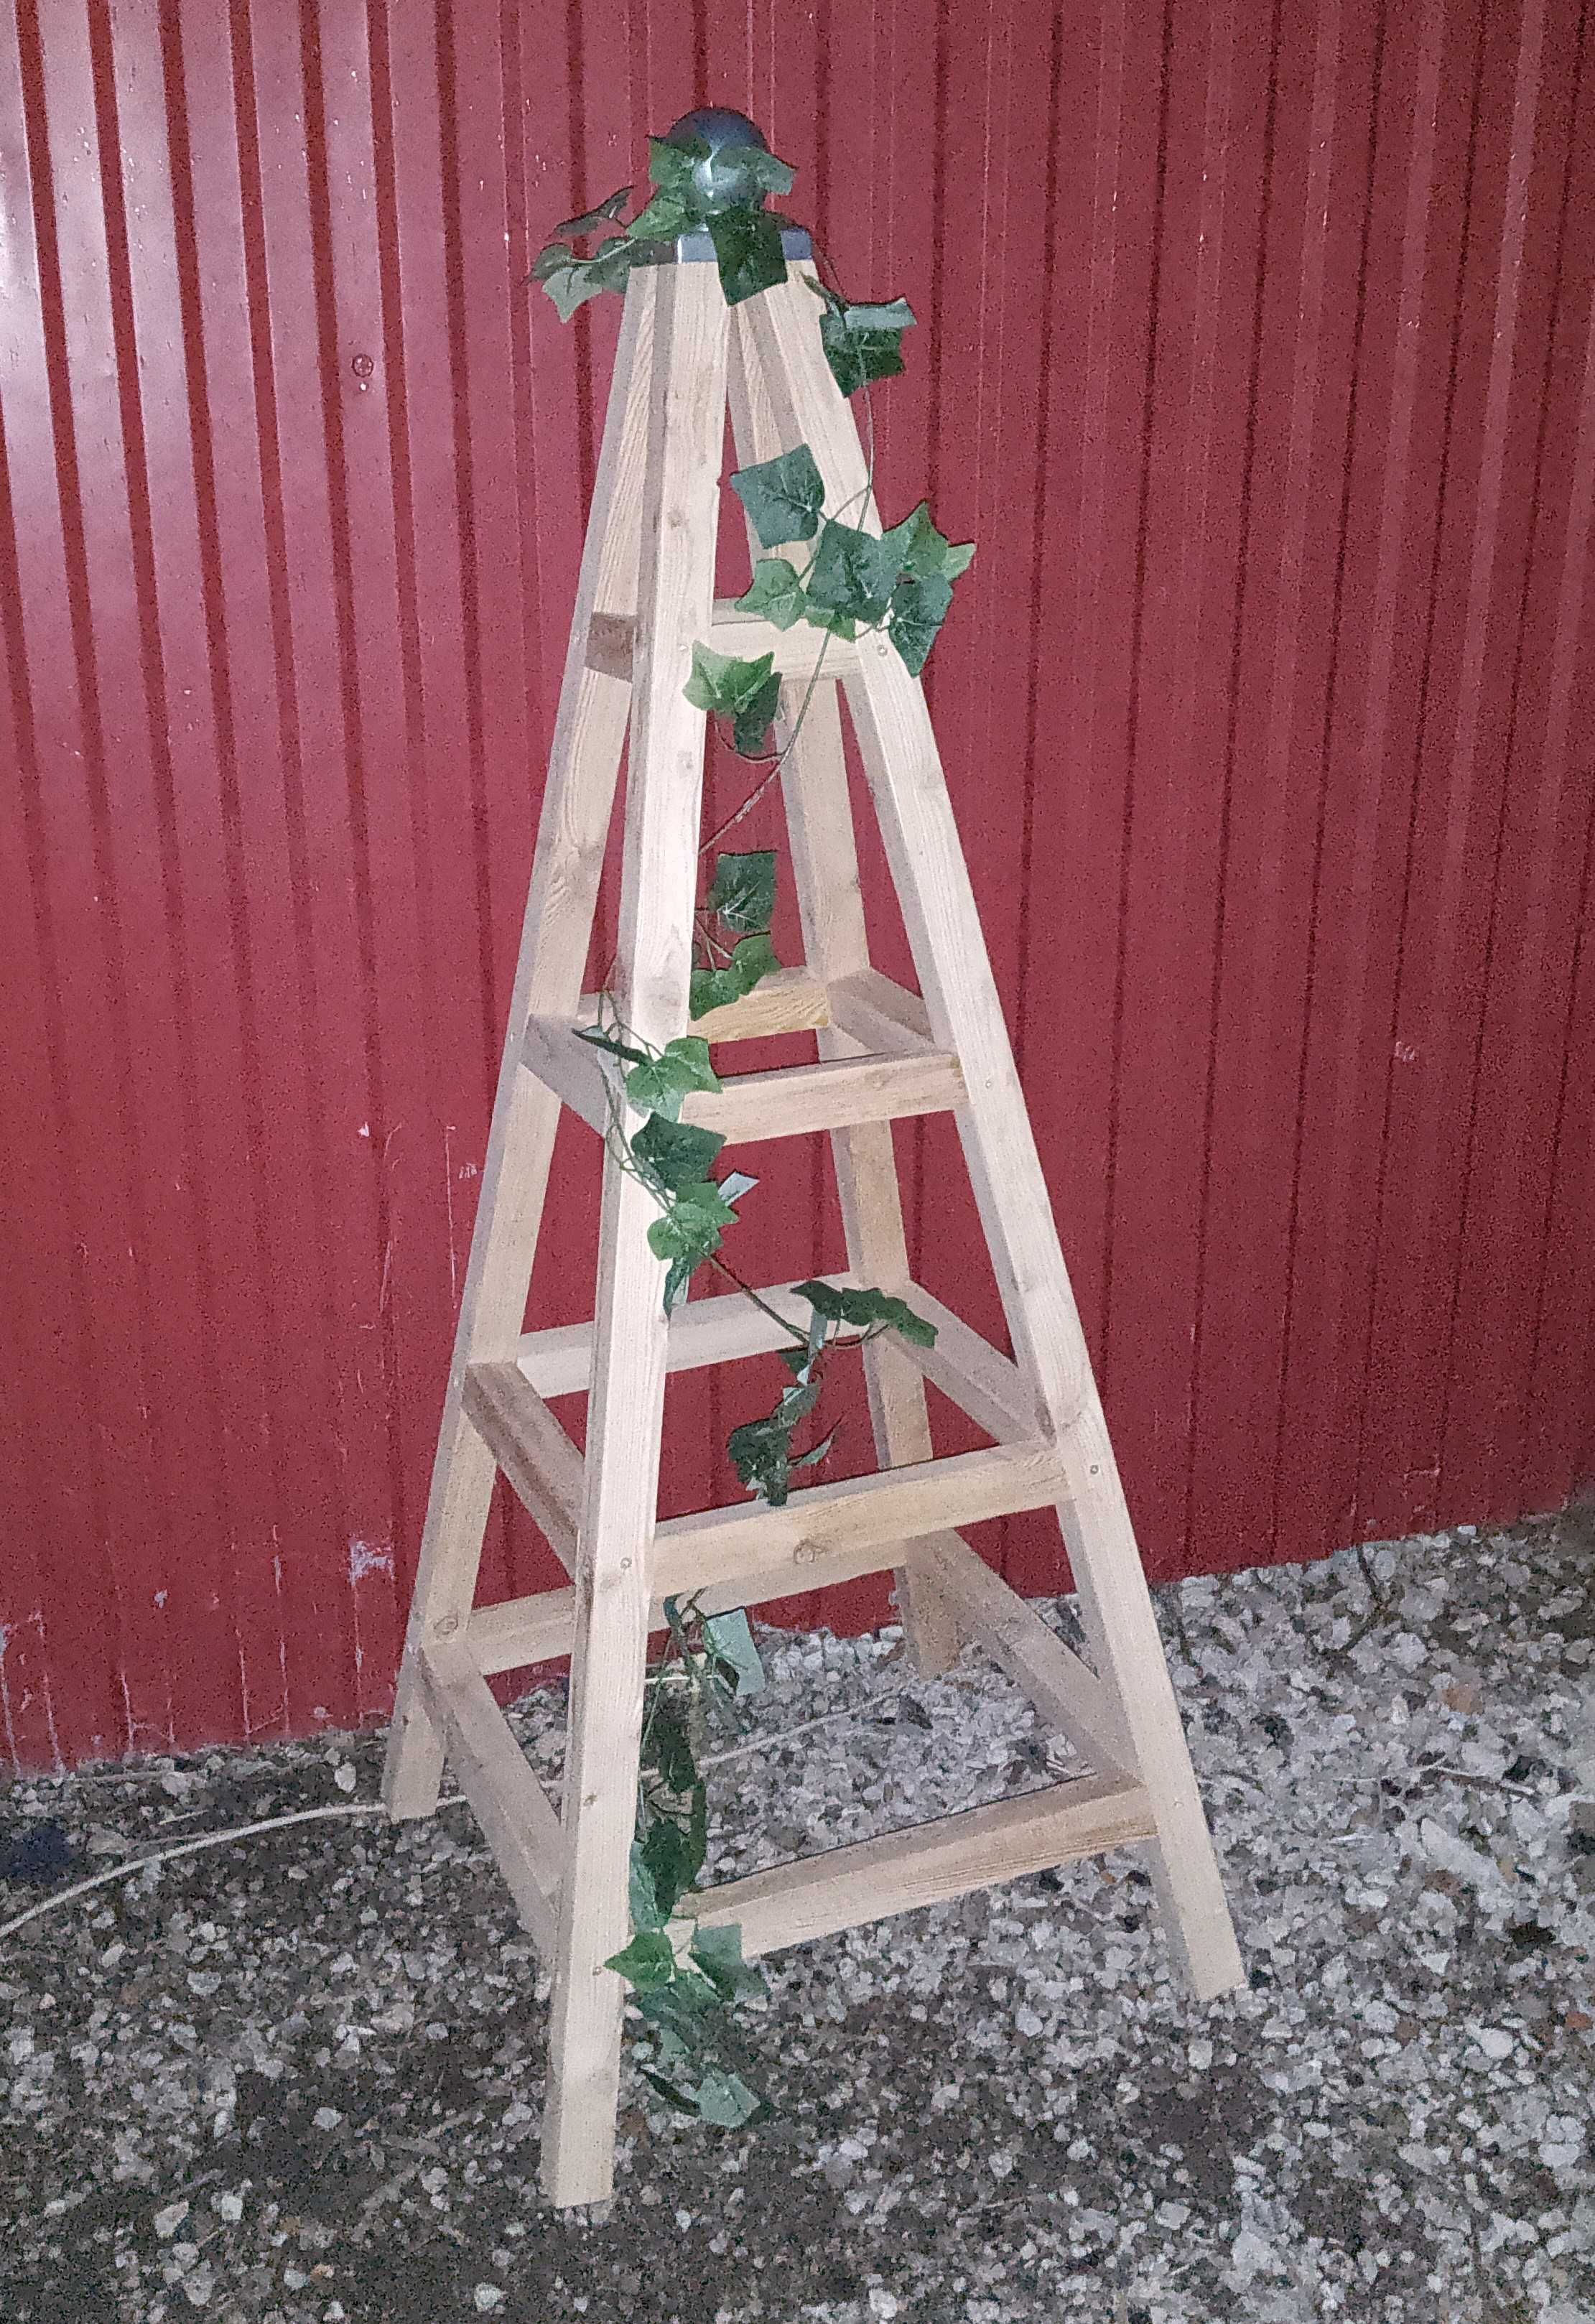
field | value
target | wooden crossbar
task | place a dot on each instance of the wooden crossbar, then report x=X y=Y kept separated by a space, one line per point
x=1068 y=1695
x=830 y=1532
x=988 y=1387
x=537 y=1456
x=506 y=1798
x=611 y=643
x=841 y=1887
x=787 y=1101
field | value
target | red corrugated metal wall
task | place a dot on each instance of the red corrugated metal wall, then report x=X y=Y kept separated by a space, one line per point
x=1258 y=352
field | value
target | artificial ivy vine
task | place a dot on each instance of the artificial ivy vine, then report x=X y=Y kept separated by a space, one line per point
x=850 y=581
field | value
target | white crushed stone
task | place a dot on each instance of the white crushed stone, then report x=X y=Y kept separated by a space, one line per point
x=302 y=2079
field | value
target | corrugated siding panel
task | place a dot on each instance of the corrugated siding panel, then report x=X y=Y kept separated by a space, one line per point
x=1257 y=350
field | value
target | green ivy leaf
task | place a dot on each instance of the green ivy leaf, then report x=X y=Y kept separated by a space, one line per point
x=923 y=553
x=667 y=1752
x=776 y=592
x=746 y=692
x=730 y=1639
x=852 y=572
x=671 y=168
x=782 y=497
x=610 y=1038
x=821 y=617
x=684 y=2101
x=566 y=279
x=687 y=1234
x=750 y=729
x=607 y=212
x=743 y=897
x=718 y=1952
x=643 y=1897
x=761 y=1449
x=672 y=1859
x=725 y=2100
x=865 y=1308
x=647 y=1963
x=678 y=1154
x=680 y=2008
x=751 y=962
x=742 y=175
x=919 y=609
x=659 y=1085
x=663 y=217
x=748 y=249
x=858 y=357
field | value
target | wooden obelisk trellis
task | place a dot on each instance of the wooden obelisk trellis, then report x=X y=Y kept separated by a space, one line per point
x=645 y=594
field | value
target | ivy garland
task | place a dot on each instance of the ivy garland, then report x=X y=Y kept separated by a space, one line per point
x=851 y=581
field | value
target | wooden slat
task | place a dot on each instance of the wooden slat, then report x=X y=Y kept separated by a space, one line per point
x=577 y=1074
x=796 y=651
x=845 y=1886
x=819 y=1528
x=988 y=1387
x=542 y=1465
x=788 y=1101
x=558 y=1360
x=788 y=1001
x=879 y=1015
x=837 y=1093
x=517 y=1819
x=1067 y=1694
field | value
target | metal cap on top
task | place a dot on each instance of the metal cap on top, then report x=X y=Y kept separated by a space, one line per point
x=721 y=181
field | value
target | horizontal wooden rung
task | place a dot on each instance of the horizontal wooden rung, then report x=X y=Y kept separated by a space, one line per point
x=838 y=1093
x=843 y=1887
x=748 y=1552
x=838 y=1531
x=788 y=1101
x=610 y=641
x=721 y=1330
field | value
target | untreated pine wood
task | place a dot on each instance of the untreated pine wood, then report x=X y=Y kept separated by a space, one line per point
x=721 y=1330
x=787 y=1101
x=885 y=1052
x=830 y=903
x=686 y=424
x=534 y=1453
x=842 y=1887
x=904 y=770
x=517 y=1820
x=796 y=652
x=578 y=799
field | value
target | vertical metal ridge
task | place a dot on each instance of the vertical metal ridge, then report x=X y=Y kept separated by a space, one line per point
x=1257 y=350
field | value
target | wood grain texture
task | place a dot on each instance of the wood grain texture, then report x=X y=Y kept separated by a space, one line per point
x=795 y=1902
x=1254 y=351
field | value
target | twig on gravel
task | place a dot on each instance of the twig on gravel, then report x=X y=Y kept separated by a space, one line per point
x=191 y=1847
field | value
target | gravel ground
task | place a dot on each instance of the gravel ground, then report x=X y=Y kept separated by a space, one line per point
x=301 y=2078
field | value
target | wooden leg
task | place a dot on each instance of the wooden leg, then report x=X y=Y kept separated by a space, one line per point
x=830 y=903
x=932 y=880
x=825 y=864
x=1115 y=1607
x=578 y=799
x=626 y=1407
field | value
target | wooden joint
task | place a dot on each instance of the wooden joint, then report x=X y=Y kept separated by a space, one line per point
x=612 y=643
x=543 y=1466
